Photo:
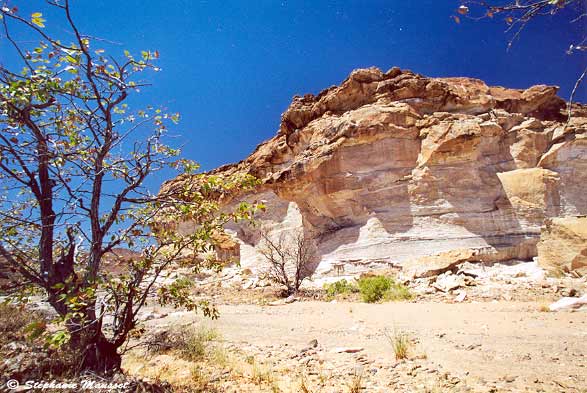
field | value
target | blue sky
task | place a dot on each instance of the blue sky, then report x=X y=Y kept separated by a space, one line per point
x=231 y=68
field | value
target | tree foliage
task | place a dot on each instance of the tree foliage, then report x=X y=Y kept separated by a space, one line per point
x=74 y=162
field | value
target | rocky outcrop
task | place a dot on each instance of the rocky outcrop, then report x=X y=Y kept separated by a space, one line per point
x=563 y=244
x=392 y=168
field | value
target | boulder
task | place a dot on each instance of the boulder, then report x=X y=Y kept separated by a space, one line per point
x=563 y=245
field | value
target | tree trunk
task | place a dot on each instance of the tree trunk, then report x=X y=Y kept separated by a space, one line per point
x=97 y=353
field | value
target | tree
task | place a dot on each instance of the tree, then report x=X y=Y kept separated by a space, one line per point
x=74 y=161
x=518 y=13
x=290 y=258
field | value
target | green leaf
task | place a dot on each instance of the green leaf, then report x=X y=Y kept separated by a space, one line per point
x=71 y=59
x=35 y=329
x=37 y=19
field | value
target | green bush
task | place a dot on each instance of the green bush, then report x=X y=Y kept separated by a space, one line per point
x=376 y=288
x=340 y=287
x=373 y=289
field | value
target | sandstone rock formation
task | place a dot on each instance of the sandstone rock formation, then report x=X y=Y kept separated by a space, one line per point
x=563 y=244
x=394 y=168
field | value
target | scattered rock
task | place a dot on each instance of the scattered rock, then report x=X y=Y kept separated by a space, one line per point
x=153 y=315
x=251 y=283
x=290 y=299
x=568 y=292
x=347 y=349
x=448 y=282
x=569 y=303
x=461 y=296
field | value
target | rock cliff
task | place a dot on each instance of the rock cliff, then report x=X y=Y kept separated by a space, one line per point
x=397 y=169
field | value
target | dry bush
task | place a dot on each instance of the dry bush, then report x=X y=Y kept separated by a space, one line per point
x=195 y=343
x=190 y=343
x=290 y=258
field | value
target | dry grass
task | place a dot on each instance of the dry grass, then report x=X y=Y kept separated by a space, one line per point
x=199 y=380
x=14 y=321
x=261 y=374
x=187 y=359
x=356 y=383
x=196 y=361
x=543 y=308
x=303 y=385
x=400 y=343
x=189 y=343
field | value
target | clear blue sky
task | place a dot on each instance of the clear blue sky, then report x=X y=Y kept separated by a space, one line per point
x=231 y=68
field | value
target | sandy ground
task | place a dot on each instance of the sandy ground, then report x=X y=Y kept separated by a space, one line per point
x=494 y=346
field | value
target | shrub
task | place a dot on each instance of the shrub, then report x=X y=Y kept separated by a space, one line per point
x=373 y=289
x=376 y=288
x=398 y=291
x=340 y=287
x=290 y=257
x=190 y=344
x=194 y=342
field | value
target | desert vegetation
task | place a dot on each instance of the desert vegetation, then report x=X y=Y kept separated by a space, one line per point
x=400 y=343
x=340 y=287
x=74 y=159
x=290 y=259
x=370 y=288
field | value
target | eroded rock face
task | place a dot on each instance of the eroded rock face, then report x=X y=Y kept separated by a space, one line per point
x=391 y=168
x=563 y=244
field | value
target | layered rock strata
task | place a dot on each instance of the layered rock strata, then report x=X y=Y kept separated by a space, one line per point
x=397 y=169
